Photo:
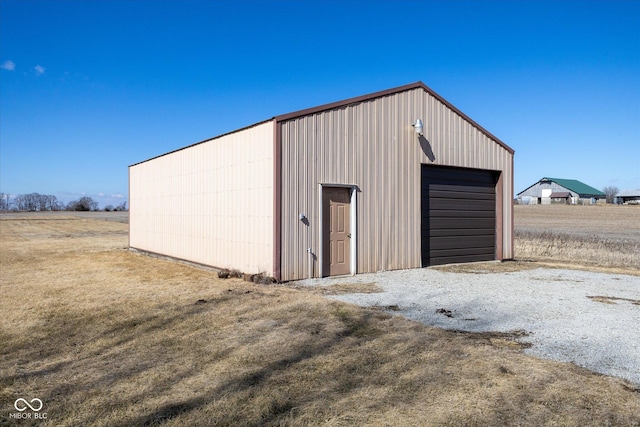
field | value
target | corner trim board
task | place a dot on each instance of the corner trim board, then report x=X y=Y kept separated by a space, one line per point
x=277 y=200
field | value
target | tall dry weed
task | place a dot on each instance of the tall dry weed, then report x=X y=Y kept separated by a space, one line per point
x=579 y=249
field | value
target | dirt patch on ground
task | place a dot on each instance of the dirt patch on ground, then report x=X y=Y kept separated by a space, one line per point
x=612 y=300
x=520 y=265
x=511 y=340
x=350 y=288
x=488 y=267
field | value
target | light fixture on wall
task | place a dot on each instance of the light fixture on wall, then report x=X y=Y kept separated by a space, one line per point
x=418 y=127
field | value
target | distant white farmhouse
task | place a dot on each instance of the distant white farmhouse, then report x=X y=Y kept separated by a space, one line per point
x=630 y=197
x=558 y=190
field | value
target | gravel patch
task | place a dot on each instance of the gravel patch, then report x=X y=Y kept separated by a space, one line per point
x=590 y=319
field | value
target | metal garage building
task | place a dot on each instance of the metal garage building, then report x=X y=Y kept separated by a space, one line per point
x=391 y=180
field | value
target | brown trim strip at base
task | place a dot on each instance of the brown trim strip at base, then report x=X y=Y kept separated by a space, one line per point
x=175 y=259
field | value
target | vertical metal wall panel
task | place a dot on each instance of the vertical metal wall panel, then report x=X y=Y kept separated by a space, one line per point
x=372 y=145
x=210 y=203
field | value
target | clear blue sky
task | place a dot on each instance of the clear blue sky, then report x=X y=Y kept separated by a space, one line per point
x=89 y=87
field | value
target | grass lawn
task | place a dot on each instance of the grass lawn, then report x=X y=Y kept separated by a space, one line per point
x=107 y=337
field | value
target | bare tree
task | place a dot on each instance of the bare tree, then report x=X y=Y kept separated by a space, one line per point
x=51 y=203
x=83 y=204
x=18 y=202
x=27 y=202
x=610 y=192
x=121 y=207
x=41 y=201
x=55 y=204
x=21 y=202
x=4 y=202
x=34 y=202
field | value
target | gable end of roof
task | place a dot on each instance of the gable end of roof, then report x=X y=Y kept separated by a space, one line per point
x=374 y=95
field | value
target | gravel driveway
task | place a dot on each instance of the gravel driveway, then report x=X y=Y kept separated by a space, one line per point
x=590 y=319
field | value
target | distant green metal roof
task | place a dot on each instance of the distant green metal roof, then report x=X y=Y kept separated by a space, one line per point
x=576 y=186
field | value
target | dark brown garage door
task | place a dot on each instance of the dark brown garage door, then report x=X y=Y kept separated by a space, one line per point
x=458 y=215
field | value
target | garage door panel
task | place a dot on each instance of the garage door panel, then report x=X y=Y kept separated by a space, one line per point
x=458 y=215
x=461 y=242
x=471 y=177
x=466 y=195
x=462 y=252
x=448 y=223
x=452 y=189
x=461 y=232
x=442 y=260
x=461 y=204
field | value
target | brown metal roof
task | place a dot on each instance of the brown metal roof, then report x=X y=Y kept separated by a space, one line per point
x=560 y=195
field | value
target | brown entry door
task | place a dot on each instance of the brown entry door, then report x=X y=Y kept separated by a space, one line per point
x=337 y=231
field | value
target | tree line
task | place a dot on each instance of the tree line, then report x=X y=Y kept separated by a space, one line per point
x=48 y=202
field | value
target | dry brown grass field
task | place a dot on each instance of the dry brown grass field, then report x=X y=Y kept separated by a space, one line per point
x=603 y=237
x=108 y=337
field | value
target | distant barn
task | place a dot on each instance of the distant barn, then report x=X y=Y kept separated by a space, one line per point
x=391 y=180
x=559 y=190
x=628 y=197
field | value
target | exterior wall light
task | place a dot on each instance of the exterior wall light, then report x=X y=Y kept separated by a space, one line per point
x=418 y=126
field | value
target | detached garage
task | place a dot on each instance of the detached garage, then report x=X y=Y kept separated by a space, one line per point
x=392 y=180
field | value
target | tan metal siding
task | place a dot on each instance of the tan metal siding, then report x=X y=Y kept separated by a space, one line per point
x=372 y=145
x=210 y=203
